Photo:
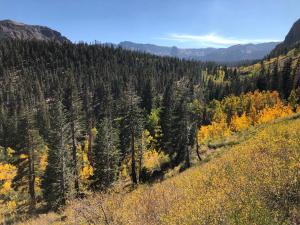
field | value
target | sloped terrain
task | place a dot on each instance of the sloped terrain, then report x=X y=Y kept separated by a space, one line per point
x=254 y=182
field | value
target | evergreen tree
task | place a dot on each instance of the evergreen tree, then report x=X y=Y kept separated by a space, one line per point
x=181 y=123
x=261 y=82
x=275 y=85
x=147 y=97
x=297 y=75
x=166 y=117
x=134 y=123
x=56 y=183
x=30 y=149
x=73 y=105
x=286 y=79
x=293 y=100
x=106 y=155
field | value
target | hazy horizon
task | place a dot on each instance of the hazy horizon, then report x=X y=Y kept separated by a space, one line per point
x=192 y=24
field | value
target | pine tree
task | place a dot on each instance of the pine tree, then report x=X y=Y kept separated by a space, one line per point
x=181 y=123
x=275 y=85
x=134 y=123
x=294 y=99
x=166 y=117
x=73 y=105
x=261 y=82
x=56 y=183
x=89 y=121
x=147 y=97
x=286 y=79
x=106 y=155
x=31 y=148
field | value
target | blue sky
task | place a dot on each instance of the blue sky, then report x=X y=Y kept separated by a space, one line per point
x=182 y=23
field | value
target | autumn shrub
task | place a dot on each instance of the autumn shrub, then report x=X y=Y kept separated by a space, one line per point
x=153 y=159
x=213 y=131
x=272 y=113
x=7 y=194
x=238 y=113
x=240 y=123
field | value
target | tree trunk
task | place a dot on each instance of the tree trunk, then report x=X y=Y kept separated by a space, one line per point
x=133 y=169
x=197 y=150
x=187 y=159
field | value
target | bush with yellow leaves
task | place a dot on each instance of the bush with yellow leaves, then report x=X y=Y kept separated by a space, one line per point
x=215 y=130
x=7 y=203
x=85 y=169
x=240 y=123
x=153 y=159
x=236 y=114
x=272 y=113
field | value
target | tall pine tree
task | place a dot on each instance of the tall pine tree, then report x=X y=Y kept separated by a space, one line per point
x=58 y=176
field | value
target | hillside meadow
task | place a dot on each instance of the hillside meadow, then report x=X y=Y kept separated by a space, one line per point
x=254 y=182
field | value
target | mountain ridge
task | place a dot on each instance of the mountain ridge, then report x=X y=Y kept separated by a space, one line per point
x=290 y=41
x=235 y=53
x=20 y=31
x=231 y=55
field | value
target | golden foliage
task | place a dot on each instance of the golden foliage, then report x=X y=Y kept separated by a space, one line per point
x=6 y=187
x=277 y=111
x=240 y=123
x=253 y=108
x=153 y=159
x=86 y=170
x=10 y=151
x=7 y=172
x=23 y=156
x=94 y=132
x=214 y=131
x=43 y=161
x=11 y=205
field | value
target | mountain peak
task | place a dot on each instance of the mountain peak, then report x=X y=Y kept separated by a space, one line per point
x=291 y=39
x=10 y=29
x=294 y=34
x=12 y=22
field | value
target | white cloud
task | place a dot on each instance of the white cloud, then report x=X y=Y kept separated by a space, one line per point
x=212 y=40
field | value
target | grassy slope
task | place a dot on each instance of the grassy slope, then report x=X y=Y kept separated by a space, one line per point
x=254 y=182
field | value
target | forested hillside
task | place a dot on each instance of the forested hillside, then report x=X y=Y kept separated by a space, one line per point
x=254 y=182
x=76 y=118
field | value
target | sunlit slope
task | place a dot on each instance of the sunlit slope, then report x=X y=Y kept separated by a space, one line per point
x=268 y=63
x=255 y=182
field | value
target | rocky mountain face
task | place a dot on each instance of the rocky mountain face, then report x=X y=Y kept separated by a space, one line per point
x=234 y=53
x=15 y=30
x=291 y=40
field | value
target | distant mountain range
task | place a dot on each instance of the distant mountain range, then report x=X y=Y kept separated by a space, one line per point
x=15 y=30
x=234 y=53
